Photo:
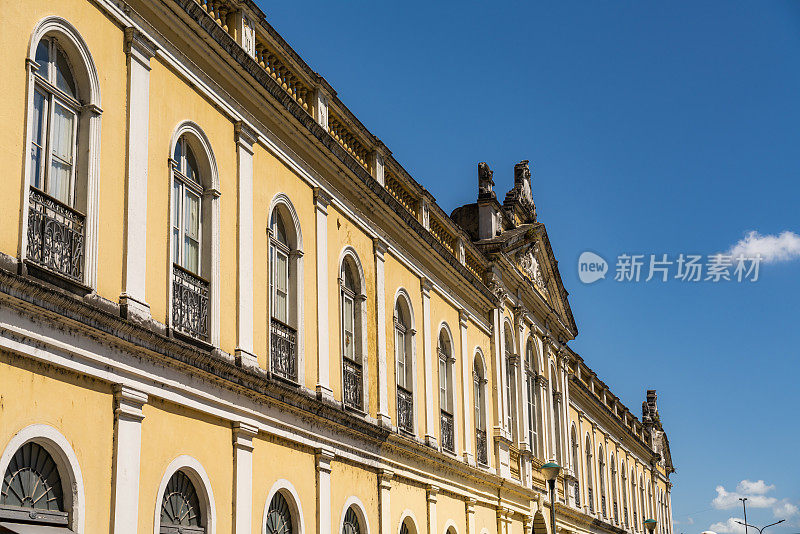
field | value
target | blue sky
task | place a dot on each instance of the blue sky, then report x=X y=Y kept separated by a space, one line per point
x=660 y=128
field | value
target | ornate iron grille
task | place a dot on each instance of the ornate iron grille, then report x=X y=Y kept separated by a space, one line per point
x=616 y=517
x=405 y=407
x=577 y=489
x=635 y=519
x=56 y=235
x=625 y=516
x=448 y=438
x=352 y=384
x=283 y=350
x=189 y=303
x=590 y=495
x=603 y=505
x=480 y=447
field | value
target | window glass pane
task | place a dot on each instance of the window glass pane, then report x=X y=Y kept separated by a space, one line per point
x=278 y=229
x=443 y=385
x=477 y=399
x=281 y=287
x=178 y=154
x=43 y=56
x=191 y=255
x=64 y=80
x=37 y=144
x=176 y=245
x=192 y=216
x=399 y=351
x=62 y=145
x=191 y=169
x=348 y=318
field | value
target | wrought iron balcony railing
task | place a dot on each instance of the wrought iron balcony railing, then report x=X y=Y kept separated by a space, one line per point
x=353 y=384
x=481 y=451
x=616 y=515
x=56 y=235
x=577 y=489
x=405 y=410
x=635 y=519
x=603 y=505
x=590 y=496
x=446 y=428
x=625 y=516
x=189 y=303
x=283 y=350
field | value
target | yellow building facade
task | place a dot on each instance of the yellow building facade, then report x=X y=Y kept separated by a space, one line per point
x=226 y=308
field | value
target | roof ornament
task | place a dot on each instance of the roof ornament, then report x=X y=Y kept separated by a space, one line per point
x=485 y=181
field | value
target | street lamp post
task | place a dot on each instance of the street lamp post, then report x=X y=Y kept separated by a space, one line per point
x=760 y=530
x=744 y=508
x=650 y=525
x=550 y=471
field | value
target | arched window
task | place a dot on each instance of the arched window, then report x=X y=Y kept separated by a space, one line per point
x=633 y=501
x=285 y=301
x=479 y=398
x=279 y=516
x=352 y=523
x=642 y=501
x=614 y=489
x=589 y=474
x=557 y=436
x=601 y=464
x=353 y=331
x=63 y=139
x=533 y=394
x=403 y=353
x=576 y=466
x=511 y=384
x=624 y=475
x=180 y=507
x=32 y=489
x=193 y=232
x=446 y=402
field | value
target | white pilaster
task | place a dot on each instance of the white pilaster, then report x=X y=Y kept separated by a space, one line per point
x=522 y=405
x=128 y=445
x=324 y=458
x=376 y=165
x=432 y=493
x=139 y=50
x=384 y=500
x=321 y=202
x=427 y=354
x=243 y=477
x=245 y=139
x=321 y=108
x=469 y=507
x=466 y=387
x=380 y=307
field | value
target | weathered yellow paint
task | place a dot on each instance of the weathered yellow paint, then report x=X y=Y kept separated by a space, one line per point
x=170 y=431
x=273 y=461
x=409 y=498
x=171 y=103
x=38 y=393
x=271 y=177
x=348 y=481
x=398 y=276
x=450 y=508
x=342 y=233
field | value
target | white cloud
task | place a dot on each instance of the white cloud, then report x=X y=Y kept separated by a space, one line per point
x=728 y=527
x=772 y=248
x=785 y=510
x=759 y=487
x=728 y=499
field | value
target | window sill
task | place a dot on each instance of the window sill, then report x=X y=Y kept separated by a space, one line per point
x=55 y=278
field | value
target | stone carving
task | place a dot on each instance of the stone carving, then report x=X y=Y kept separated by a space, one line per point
x=527 y=261
x=485 y=182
